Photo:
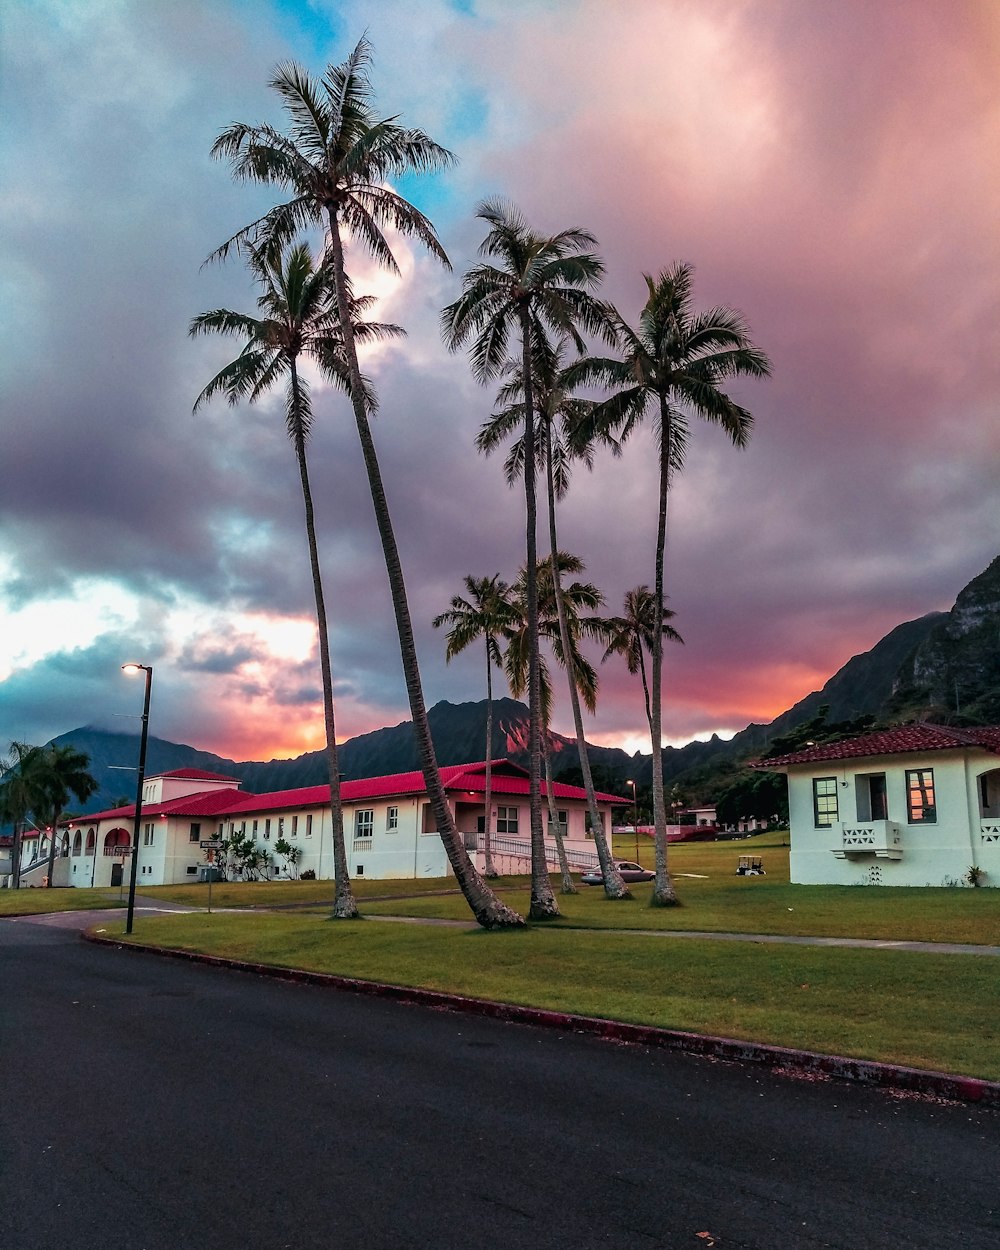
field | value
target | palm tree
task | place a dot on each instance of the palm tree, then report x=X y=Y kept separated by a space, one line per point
x=537 y=286
x=16 y=798
x=485 y=614
x=631 y=636
x=674 y=365
x=55 y=772
x=561 y=418
x=337 y=160
x=578 y=598
x=299 y=318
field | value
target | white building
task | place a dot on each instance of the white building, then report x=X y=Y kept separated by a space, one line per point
x=389 y=828
x=917 y=805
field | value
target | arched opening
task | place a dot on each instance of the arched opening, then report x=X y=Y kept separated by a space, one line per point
x=64 y=846
x=116 y=837
x=91 y=840
x=988 y=789
x=77 y=843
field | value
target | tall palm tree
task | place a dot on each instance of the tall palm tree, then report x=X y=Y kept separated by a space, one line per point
x=580 y=603
x=631 y=636
x=537 y=286
x=337 y=159
x=486 y=614
x=55 y=773
x=673 y=366
x=299 y=318
x=561 y=418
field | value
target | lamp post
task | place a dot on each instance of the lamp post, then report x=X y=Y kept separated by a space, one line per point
x=635 y=818
x=148 y=670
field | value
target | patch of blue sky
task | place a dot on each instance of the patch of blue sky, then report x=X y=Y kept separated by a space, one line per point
x=314 y=26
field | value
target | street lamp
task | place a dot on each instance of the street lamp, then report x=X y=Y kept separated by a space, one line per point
x=148 y=670
x=635 y=819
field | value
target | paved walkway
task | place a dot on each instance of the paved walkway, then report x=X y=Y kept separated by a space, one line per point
x=930 y=948
x=149 y=906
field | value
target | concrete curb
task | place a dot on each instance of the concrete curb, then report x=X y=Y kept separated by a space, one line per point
x=867 y=1072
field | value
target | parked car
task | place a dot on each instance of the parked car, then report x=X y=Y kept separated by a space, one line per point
x=630 y=872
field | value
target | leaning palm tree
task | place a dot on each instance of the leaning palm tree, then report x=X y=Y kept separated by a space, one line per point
x=631 y=636
x=562 y=416
x=57 y=772
x=486 y=614
x=580 y=603
x=336 y=160
x=674 y=366
x=299 y=318
x=537 y=286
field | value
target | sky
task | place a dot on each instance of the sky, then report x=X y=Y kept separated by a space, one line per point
x=828 y=169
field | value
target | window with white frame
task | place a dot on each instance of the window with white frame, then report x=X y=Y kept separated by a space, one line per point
x=194 y=835
x=391 y=819
x=364 y=823
x=507 y=820
x=255 y=824
x=281 y=826
x=309 y=825
x=561 y=816
x=825 y=810
x=267 y=828
x=921 y=806
x=295 y=826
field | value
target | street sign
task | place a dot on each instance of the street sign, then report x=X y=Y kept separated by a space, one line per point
x=121 y=850
x=211 y=844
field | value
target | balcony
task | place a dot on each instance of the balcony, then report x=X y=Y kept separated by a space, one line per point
x=989 y=831
x=881 y=838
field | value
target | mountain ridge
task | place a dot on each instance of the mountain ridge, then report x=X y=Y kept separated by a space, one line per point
x=918 y=670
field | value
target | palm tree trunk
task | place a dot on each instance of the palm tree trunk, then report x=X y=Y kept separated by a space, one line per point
x=489 y=868
x=543 y=903
x=663 y=894
x=50 y=868
x=488 y=909
x=344 y=905
x=614 y=886
x=567 y=885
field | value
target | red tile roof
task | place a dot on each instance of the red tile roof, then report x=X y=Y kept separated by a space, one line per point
x=904 y=740
x=507 y=778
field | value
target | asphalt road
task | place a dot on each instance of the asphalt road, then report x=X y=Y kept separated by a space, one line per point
x=147 y=1104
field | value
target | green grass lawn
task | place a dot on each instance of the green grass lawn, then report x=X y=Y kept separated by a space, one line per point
x=932 y=1011
x=37 y=901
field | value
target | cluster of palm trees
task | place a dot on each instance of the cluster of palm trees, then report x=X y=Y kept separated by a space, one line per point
x=35 y=786
x=524 y=312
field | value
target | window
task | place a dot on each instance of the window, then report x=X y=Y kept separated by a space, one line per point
x=870 y=791
x=195 y=834
x=921 y=807
x=147 y=834
x=281 y=826
x=506 y=820
x=309 y=825
x=295 y=826
x=561 y=817
x=391 y=819
x=825 y=802
x=267 y=828
x=243 y=826
x=364 y=822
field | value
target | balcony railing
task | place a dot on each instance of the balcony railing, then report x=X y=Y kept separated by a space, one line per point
x=881 y=838
x=989 y=831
